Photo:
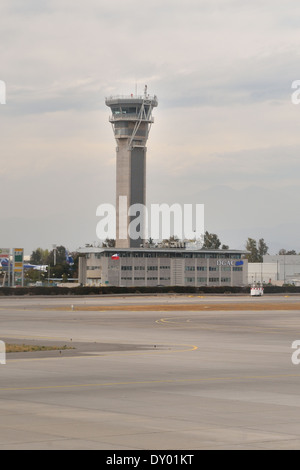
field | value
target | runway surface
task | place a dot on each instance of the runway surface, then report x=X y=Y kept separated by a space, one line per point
x=151 y=372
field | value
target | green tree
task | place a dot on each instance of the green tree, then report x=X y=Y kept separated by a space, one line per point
x=257 y=250
x=61 y=269
x=171 y=239
x=285 y=252
x=211 y=241
x=57 y=256
x=262 y=249
x=39 y=256
x=109 y=243
x=33 y=275
x=251 y=246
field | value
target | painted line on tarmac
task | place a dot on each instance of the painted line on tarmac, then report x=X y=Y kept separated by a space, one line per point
x=189 y=323
x=151 y=382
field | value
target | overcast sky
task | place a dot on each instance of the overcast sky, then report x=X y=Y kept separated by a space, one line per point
x=226 y=133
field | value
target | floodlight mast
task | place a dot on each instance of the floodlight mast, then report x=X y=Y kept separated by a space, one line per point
x=131 y=121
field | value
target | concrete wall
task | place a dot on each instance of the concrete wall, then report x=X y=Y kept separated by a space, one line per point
x=263 y=272
x=82 y=270
x=131 y=182
x=288 y=266
x=123 y=181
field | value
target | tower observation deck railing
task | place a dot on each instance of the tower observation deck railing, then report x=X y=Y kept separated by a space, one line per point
x=128 y=117
x=145 y=98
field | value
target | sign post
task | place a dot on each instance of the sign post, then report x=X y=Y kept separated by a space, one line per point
x=5 y=263
x=18 y=266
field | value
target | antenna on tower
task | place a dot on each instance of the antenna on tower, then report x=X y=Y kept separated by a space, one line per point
x=145 y=92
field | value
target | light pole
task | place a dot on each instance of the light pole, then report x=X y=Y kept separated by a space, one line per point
x=54 y=254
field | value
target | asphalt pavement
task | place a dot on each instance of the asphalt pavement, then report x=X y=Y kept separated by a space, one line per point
x=150 y=379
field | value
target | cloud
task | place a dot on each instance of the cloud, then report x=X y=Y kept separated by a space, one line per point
x=222 y=71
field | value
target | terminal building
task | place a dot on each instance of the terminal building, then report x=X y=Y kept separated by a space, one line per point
x=162 y=267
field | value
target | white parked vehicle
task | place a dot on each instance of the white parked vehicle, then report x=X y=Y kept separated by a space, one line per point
x=257 y=291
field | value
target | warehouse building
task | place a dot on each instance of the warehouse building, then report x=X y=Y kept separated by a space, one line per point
x=276 y=270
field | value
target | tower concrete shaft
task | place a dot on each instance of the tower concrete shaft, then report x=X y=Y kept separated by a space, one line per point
x=131 y=121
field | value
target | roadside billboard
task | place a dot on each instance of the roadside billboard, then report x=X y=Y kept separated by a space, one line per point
x=4 y=253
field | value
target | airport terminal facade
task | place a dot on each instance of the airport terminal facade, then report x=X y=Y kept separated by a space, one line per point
x=162 y=267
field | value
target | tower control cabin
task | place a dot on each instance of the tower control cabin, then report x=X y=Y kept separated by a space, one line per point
x=131 y=119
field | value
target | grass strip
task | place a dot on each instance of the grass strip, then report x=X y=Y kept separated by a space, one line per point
x=31 y=348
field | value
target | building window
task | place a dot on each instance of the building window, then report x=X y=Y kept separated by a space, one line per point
x=225 y=279
x=116 y=110
x=201 y=268
x=201 y=279
x=128 y=110
x=190 y=268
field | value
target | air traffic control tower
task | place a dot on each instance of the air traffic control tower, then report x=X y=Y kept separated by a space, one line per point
x=131 y=121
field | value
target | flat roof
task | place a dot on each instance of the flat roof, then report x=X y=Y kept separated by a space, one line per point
x=131 y=99
x=157 y=250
